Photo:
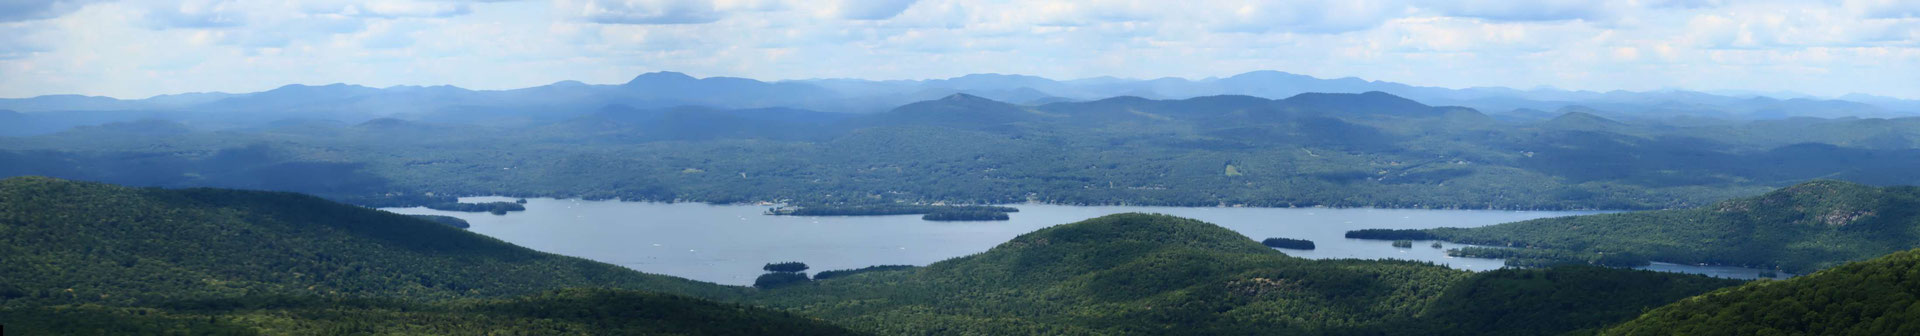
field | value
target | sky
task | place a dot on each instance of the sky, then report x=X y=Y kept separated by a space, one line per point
x=137 y=49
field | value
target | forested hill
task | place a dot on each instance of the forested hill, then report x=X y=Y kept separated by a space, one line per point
x=80 y=258
x=1875 y=297
x=1798 y=229
x=1140 y=274
x=1347 y=150
x=77 y=242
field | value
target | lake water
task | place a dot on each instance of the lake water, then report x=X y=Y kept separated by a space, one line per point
x=727 y=244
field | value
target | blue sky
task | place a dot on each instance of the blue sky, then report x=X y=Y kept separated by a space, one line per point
x=135 y=49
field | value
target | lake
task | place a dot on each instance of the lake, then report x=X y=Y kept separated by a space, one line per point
x=727 y=244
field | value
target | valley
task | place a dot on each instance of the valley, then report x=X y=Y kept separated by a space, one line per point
x=959 y=167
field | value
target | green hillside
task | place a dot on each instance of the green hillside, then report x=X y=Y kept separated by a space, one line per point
x=1798 y=229
x=77 y=242
x=1157 y=274
x=1874 y=297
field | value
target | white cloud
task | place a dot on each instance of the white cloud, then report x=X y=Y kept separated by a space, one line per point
x=870 y=9
x=24 y=10
x=135 y=48
x=1532 y=10
x=642 y=11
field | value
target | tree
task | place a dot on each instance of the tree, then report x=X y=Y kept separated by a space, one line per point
x=786 y=267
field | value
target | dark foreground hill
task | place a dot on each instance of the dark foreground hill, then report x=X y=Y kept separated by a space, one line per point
x=1874 y=297
x=76 y=242
x=1798 y=229
x=88 y=258
x=563 y=312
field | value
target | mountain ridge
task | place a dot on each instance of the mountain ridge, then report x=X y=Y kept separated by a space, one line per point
x=864 y=96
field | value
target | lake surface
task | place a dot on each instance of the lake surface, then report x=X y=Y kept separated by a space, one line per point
x=727 y=244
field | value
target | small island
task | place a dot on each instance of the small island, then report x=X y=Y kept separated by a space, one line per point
x=497 y=208
x=1288 y=243
x=965 y=215
x=1534 y=257
x=1390 y=234
x=928 y=212
x=1403 y=243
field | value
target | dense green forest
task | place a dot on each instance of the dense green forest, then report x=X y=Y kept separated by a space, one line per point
x=1874 y=297
x=1555 y=300
x=77 y=242
x=1797 y=229
x=1344 y=150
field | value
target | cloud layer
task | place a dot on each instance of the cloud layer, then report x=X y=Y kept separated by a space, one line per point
x=135 y=49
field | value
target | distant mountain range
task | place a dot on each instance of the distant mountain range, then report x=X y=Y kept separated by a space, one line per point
x=354 y=103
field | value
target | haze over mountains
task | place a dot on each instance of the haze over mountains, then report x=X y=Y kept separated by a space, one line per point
x=353 y=103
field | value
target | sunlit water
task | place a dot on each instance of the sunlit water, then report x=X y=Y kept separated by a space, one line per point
x=727 y=244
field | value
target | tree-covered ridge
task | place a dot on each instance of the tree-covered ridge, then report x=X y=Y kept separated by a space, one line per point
x=1798 y=229
x=448 y=220
x=77 y=242
x=1347 y=150
x=1874 y=297
x=562 y=312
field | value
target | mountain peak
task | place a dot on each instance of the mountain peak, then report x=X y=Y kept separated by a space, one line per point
x=1371 y=102
x=1270 y=74
x=660 y=76
x=1582 y=116
x=962 y=97
x=1154 y=229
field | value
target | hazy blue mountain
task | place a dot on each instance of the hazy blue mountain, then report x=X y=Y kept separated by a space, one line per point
x=569 y=99
x=66 y=102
